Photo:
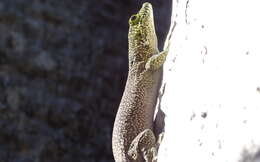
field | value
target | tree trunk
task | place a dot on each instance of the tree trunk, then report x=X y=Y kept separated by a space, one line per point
x=211 y=97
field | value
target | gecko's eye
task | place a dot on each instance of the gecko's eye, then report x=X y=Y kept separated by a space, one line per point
x=134 y=19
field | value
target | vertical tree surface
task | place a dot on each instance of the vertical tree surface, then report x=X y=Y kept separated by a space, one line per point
x=211 y=97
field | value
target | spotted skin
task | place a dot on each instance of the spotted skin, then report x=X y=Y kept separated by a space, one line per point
x=143 y=147
x=136 y=109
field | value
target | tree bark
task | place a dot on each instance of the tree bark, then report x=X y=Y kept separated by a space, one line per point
x=211 y=97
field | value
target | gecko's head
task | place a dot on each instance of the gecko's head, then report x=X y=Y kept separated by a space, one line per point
x=142 y=37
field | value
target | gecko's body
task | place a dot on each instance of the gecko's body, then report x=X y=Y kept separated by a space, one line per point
x=133 y=138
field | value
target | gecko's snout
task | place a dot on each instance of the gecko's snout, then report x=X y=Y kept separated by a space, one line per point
x=147 y=5
x=146 y=9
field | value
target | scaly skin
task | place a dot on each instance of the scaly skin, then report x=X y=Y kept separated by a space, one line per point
x=134 y=120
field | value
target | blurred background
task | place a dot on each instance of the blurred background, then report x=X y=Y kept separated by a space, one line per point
x=63 y=67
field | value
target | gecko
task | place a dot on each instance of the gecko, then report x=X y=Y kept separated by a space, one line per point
x=133 y=139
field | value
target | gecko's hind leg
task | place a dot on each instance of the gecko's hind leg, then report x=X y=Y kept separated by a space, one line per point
x=143 y=147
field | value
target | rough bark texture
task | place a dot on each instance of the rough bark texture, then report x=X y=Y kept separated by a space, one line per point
x=63 y=66
x=211 y=83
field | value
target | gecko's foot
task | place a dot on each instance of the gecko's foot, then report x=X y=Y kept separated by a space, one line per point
x=143 y=147
x=156 y=61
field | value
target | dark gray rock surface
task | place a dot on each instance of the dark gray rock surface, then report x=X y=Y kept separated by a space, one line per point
x=63 y=66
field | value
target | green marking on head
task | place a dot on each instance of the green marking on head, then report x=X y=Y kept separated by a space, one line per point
x=142 y=37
